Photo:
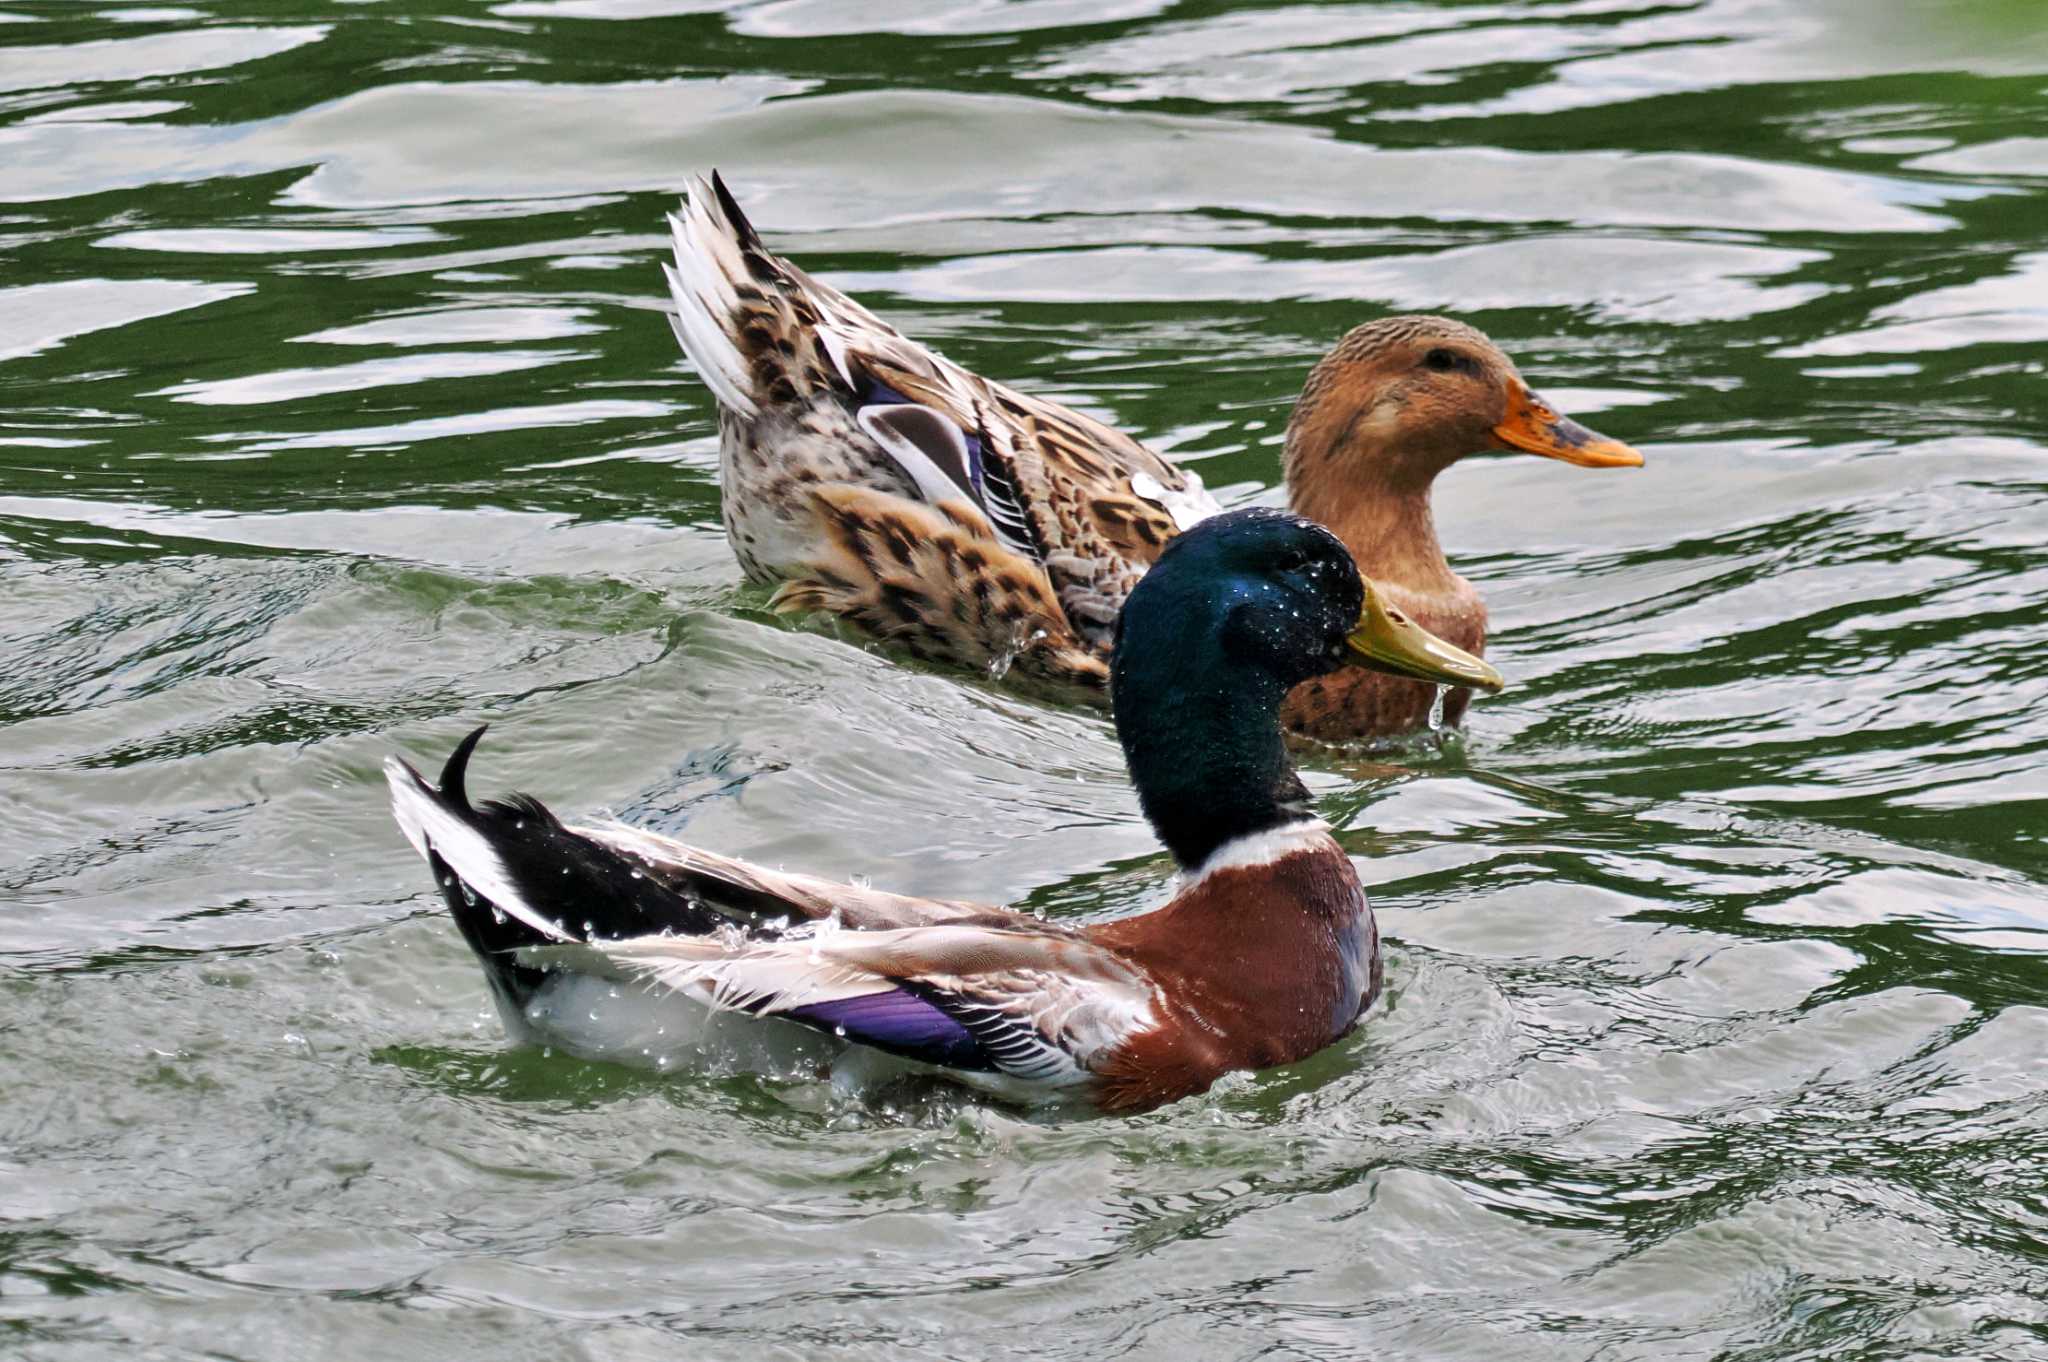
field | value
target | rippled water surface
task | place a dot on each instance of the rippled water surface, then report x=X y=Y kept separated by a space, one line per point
x=336 y=415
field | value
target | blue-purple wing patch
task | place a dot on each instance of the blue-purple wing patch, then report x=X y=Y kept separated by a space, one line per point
x=900 y=1023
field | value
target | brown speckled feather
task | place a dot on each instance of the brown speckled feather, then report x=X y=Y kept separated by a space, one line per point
x=818 y=395
x=936 y=580
x=793 y=362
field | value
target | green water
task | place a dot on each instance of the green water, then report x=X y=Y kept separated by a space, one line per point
x=336 y=415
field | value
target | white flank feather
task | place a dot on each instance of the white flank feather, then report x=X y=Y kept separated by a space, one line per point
x=429 y=826
x=729 y=973
x=1042 y=1026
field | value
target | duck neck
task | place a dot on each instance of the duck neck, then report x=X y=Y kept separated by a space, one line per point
x=1202 y=739
x=1376 y=501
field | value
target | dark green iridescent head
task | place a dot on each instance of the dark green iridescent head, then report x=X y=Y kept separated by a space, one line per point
x=1237 y=611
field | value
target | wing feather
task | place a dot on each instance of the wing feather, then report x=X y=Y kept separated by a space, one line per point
x=753 y=895
x=1040 y=1004
x=1090 y=503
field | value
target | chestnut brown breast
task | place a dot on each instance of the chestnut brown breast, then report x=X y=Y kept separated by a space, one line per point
x=1256 y=966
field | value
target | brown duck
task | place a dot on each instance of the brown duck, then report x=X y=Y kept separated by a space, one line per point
x=869 y=477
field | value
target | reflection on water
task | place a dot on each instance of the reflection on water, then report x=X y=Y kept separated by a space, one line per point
x=336 y=415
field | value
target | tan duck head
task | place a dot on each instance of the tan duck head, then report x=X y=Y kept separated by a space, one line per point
x=1395 y=403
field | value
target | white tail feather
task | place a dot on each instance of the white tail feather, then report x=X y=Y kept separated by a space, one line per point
x=430 y=826
x=707 y=260
x=702 y=266
x=708 y=348
x=716 y=235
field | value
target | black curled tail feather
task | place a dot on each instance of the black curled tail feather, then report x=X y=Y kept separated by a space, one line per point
x=454 y=771
x=550 y=882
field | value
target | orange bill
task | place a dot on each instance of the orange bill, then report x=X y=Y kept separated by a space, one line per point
x=1535 y=427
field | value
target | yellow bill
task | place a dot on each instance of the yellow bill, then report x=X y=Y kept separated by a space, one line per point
x=1388 y=641
x=1535 y=427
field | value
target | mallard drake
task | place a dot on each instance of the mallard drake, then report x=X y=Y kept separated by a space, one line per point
x=1265 y=954
x=868 y=476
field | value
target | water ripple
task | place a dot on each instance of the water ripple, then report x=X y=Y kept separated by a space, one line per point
x=335 y=417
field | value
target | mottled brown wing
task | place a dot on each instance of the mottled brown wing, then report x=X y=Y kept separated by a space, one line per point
x=936 y=580
x=1074 y=480
x=1098 y=505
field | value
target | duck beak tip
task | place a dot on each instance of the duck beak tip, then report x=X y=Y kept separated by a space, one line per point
x=1385 y=640
x=1535 y=427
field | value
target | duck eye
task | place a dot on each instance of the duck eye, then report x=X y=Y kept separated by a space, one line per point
x=1443 y=361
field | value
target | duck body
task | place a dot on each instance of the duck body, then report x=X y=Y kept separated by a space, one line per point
x=871 y=478
x=1266 y=953
x=1122 y=1016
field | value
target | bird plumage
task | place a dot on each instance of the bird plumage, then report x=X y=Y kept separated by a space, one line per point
x=873 y=479
x=1265 y=954
x=1050 y=512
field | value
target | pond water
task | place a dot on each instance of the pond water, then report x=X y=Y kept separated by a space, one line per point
x=337 y=415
